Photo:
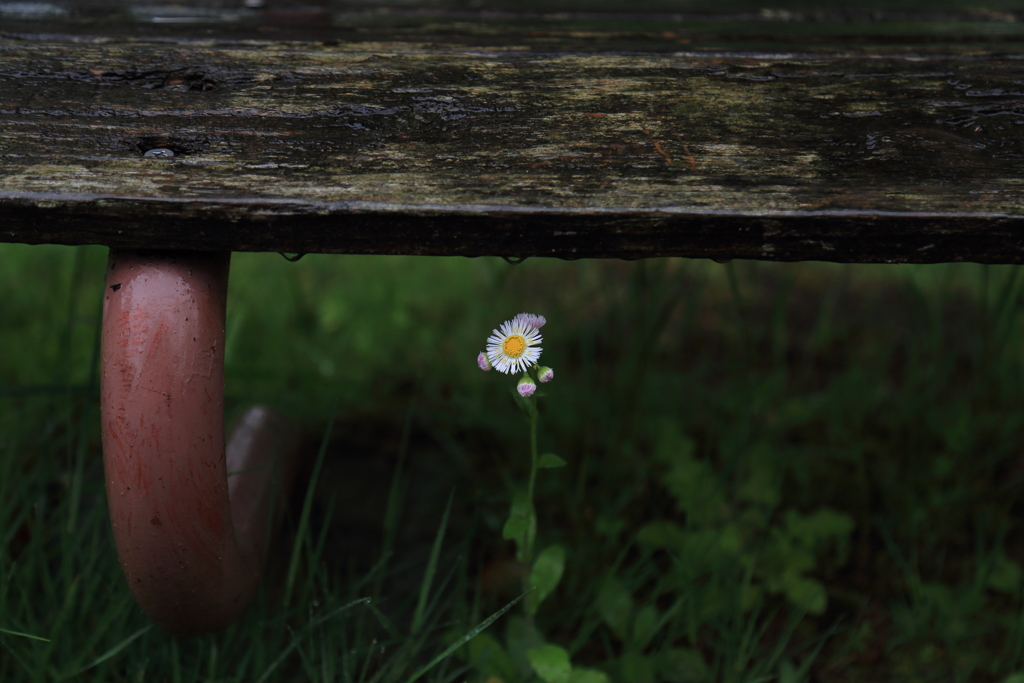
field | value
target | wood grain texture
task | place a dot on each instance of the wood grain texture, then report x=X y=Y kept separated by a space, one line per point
x=453 y=149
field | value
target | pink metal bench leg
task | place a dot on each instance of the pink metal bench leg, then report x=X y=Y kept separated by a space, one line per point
x=191 y=545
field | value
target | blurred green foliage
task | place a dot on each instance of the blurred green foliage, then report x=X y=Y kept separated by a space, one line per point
x=772 y=470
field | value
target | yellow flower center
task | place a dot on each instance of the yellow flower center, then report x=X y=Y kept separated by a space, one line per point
x=514 y=345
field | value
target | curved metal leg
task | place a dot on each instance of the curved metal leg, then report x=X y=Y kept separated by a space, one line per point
x=191 y=545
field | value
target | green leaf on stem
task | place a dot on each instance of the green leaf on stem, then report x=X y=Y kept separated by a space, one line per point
x=645 y=625
x=520 y=638
x=636 y=667
x=490 y=659
x=551 y=663
x=518 y=518
x=615 y=604
x=547 y=572
x=588 y=676
x=683 y=665
x=521 y=526
x=550 y=461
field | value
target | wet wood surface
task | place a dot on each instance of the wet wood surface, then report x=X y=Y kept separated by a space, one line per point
x=481 y=139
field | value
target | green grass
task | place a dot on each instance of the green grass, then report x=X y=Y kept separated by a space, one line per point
x=775 y=472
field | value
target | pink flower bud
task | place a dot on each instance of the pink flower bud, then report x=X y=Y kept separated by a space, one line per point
x=526 y=387
x=545 y=374
x=530 y=320
x=482 y=361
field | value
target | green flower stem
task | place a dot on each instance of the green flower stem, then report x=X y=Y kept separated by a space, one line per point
x=528 y=545
x=528 y=539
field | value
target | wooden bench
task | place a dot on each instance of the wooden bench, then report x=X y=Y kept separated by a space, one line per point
x=177 y=134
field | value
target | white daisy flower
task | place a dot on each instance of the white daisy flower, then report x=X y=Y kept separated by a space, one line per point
x=514 y=348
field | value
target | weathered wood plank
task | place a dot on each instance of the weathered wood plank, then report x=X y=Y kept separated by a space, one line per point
x=408 y=147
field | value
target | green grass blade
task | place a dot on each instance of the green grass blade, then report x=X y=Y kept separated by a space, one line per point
x=307 y=506
x=384 y=621
x=100 y=628
x=428 y=577
x=465 y=639
x=114 y=650
x=302 y=633
x=25 y=665
x=459 y=673
x=395 y=495
x=24 y=635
